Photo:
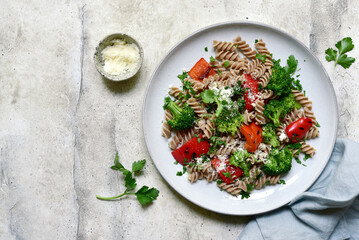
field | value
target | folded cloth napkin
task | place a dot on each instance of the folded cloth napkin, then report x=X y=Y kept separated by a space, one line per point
x=329 y=209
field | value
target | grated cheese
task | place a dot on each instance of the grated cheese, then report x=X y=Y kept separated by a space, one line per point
x=120 y=58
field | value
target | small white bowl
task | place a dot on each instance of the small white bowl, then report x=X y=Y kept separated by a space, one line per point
x=107 y=41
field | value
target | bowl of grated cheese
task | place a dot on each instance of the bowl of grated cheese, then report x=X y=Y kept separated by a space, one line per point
x=118 y=57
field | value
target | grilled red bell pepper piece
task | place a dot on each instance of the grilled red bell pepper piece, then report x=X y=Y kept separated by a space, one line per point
x=190 y=150
x=296 y=130
x=212 y=72
x=251 y=92
x=200 y=70
x=253 y=135
x=224 y=168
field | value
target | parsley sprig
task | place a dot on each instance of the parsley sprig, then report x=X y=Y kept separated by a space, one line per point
x=345 y=45
x=145 y=195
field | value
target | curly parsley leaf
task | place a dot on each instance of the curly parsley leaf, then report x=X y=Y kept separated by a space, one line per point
x=339 y=57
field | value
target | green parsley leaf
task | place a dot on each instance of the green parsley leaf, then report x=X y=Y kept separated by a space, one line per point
x=345 y=61
x=331 y=54
x=292 y=64
x=206 y=49
x=255 y=41
x=219 y=182
x=227 y=174
x=138 y=165
x=118 y=166
x=226 y=64
x=208 y=96
x=343 y=46
x=212 y=59
x=244 y=194
x=175 y=162
x=260 y=87
x=261 y=57
x=183 y=76
x=306 y=157
x=219 y=72
x=130 y=182
x=184 y=170
x=146 y=195
x=317 y=125
x=281 y=181
x=186 y=85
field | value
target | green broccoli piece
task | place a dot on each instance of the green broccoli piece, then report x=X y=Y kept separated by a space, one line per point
x=278 y=108
x=228 y=119
x=238 y=91
x=238 y=159
x=281 y=80
x=278 y=162
x=183 y=118
x=269 y=135
x=241 y=105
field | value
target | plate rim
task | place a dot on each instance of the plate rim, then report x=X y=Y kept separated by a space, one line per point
x=257 y=24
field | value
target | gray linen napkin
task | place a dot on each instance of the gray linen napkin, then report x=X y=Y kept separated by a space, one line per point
x=329 y=209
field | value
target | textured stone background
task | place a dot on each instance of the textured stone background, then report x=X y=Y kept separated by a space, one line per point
x=61 y=123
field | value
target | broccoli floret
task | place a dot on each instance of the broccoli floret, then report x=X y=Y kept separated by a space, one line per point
x=241 y=105
x=238 y=159
x=269 y=135
x=229 y=119
x=183 y=118
x=278 y=162
x=278 y=108
x=281 y=80
x=238 y=91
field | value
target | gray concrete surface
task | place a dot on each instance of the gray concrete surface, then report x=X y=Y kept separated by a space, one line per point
x=61 y=123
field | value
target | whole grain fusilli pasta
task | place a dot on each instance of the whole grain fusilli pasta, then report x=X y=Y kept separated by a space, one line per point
x=166 y=129
x=235 y=135
x=244 y=48
x=223 y=46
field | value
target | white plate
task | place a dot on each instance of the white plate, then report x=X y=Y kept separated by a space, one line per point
x=315 y=81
